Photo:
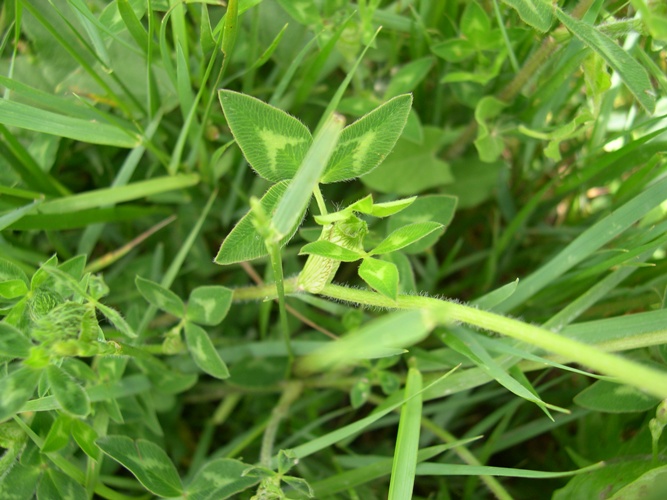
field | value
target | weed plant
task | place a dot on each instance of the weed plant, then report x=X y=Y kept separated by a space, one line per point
x=332 y=249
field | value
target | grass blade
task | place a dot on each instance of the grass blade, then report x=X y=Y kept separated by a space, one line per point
x=588 y=242
x=407 y=441
x=14 y=114
x=109 y=196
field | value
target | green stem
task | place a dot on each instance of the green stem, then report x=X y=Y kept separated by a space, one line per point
x=320 y=200
x=649 y=380
x=277 y=265
x=444 y=312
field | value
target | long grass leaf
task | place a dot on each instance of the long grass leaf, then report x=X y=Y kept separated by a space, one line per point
x=407 y=440
x=14 y=114
x=588 y=242
x=110 y=196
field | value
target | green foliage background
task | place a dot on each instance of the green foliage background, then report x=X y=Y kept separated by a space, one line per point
x=536 y=138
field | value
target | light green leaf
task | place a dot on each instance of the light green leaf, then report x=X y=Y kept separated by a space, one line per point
x=537 y=13
x=147 y=461
x=244 y=242
x=330 y=250
x=302 y=11
x=219 y=479
x=404 y=236
x=10 y=271
x=631 y=72
x=13 y=343
x=16 y=388
x=208 y=305
x=364 y=144
x=407 y=440
x=160 y=297
x=488 y=143
x=412 y=168
x=360 y=392
x=391 y=207
x=380 y=275
x=274 y=142
x=475 y=24
x=436 y=208
x=71 y=396
x=116 y=320
x=408 y=77
x=203 y=352
x=608 y=397
x=454 y=50
x=15 y=114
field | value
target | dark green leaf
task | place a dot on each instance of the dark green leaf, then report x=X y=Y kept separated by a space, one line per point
x=13 y=343
x=203 y=352
x=147 y=461
x=537 y=13
x=244 y=242
x=364 y=144
x=59 y=434
x=608 y=397
x=16 y=388
x=229 y=480
x=68 y=392
x=274 y=142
